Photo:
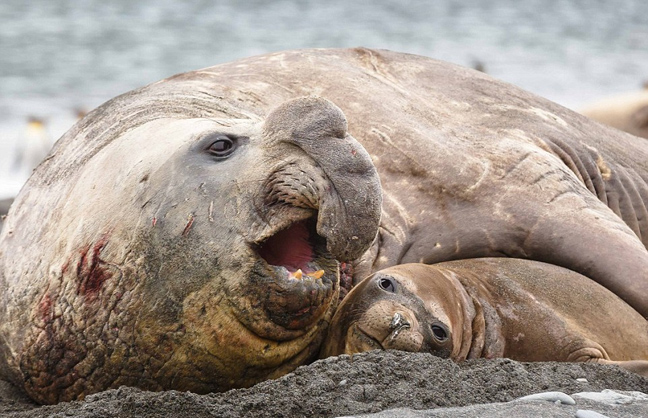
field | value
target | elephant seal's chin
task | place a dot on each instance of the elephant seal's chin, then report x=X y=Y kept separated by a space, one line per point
x=299 y=278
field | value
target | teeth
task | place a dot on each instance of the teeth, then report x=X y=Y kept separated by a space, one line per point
x=299 y=274
x=318 y=274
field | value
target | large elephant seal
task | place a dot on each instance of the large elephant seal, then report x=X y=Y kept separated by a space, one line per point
x=141 y=251
x=628 y=112
x=490 y=307
x=182 y=253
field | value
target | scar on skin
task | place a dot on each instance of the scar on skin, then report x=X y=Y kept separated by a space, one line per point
x=188 y=227
x=606 y=173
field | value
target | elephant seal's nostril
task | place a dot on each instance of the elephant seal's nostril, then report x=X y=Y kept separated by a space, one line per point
x=398 y=323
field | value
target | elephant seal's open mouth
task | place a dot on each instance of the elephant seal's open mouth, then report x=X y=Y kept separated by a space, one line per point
x=301 y=276
x=298 y=252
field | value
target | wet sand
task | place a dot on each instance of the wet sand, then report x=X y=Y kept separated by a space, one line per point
x=368 y=383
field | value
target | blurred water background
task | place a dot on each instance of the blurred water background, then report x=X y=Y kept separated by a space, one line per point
x=57 y=56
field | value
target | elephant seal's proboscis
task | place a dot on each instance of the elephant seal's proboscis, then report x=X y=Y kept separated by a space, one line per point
x=489 y=308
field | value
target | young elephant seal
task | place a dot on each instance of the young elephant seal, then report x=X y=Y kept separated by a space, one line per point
x=490 y=307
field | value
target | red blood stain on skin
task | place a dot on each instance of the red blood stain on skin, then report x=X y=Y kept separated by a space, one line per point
x=91 y=270
x=346 y=279
x=65 y=267
x=45 y=308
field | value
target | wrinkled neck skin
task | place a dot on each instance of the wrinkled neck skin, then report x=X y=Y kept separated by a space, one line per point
x=478 y=332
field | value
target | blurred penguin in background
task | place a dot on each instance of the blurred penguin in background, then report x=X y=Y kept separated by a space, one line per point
x=33 y=146
x=479 y=65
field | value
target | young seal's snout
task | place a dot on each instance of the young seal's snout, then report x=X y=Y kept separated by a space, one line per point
x=397 y=324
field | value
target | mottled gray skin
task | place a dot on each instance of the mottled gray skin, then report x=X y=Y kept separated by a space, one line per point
x=524 y=310
x=469 y=166
x=133 y=254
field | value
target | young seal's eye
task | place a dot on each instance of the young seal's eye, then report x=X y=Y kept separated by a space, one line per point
x=439 y=332
x=221 y=146
x=387 y=284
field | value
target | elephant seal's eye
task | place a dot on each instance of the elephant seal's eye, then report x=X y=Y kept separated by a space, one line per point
x=439 y=331
x=387 y=284
x=221 y=146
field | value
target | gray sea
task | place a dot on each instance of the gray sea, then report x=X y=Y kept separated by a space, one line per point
x=57 y=56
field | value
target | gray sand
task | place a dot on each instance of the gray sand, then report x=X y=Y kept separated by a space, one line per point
x=366 y=383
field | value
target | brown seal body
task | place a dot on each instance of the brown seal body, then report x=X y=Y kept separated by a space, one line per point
x=143 y=252
x=628 y=112
x=491 y=307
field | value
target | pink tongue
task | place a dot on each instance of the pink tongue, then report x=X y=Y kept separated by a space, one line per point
x=289 y=248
